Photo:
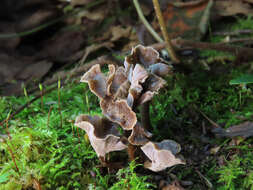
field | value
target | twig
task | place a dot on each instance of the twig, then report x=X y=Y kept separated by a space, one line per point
x=145 y=22
x=208 y=119
x=236 y=50
x=207 y=182
x=36 y=184
x=164 y=32
x=234 y=33
x=240 y=40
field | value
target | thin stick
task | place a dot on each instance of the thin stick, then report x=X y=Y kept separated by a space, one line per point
x=145 y=22
x=208 y=119
x=236 y=50
x=36 y=184
x=164 y=32
x=234 y=33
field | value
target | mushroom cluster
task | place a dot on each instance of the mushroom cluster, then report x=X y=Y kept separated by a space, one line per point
x=120 y=92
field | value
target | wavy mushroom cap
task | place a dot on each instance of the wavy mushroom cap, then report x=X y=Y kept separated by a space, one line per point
x=145 y=56
x=96 y=81
x=103 y=134
x=119 y=112
x=161 y=155
x=139 y=135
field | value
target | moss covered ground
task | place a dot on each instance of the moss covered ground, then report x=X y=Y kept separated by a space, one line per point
x=47 y=150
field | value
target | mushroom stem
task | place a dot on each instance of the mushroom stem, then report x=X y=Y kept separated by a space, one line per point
x=131 y=149
x=145 y=119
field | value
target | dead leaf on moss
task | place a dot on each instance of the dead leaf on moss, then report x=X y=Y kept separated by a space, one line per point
x=244 y=130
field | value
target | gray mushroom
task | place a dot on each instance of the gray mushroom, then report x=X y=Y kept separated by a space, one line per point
x=103 y=134
x=161 y=155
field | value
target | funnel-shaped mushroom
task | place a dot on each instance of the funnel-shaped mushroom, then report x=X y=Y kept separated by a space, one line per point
x=145 y=56
x=105 y=88
x=103 y=134
x=96 y=80
x=161 y=155
x=149 y=59
x=116 y=78
x=137 y=77
x=119 y=112
x=139 y=135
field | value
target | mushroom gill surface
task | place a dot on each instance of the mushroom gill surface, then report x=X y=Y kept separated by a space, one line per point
x=161 y=155
x=103 y=134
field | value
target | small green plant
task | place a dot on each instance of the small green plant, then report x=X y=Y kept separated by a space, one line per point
x=128 y=179
x=230 y=173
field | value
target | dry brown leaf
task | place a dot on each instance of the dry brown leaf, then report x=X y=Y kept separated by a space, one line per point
x=175 y=185
x=80 y=2
x=244 y=130
x=36 y=19
x=120 y=32
x=94 y=47
x=94 y=15
x=188 y=19
x=231 y=7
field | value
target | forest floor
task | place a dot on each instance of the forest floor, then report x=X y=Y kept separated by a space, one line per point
x=45 y=150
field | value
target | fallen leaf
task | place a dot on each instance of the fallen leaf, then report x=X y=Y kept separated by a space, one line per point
x=175 y=185
x=120 y=32
x=231 y=7
x=244 y=130
x=94 y=47
x=188 y=19
x=80 y=2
